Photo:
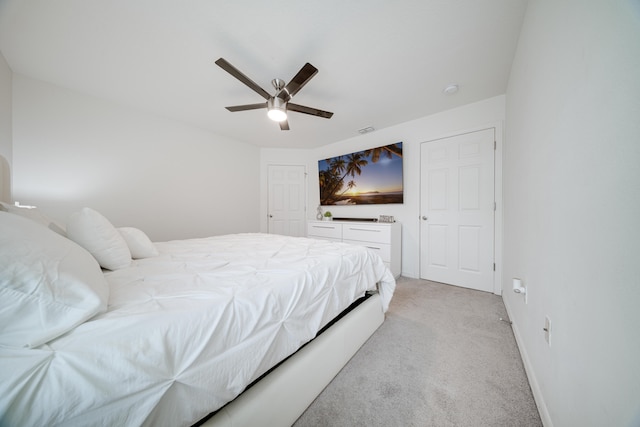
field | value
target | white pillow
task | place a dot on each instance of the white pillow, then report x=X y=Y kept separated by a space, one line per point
x=139 y=243
x=48 y=284
x=96 y=234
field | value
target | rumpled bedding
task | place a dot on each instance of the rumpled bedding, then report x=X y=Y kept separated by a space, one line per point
x=187 y=331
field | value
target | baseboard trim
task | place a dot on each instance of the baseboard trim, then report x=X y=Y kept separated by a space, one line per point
x=528 y=368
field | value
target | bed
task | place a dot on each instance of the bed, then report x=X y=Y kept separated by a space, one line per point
x=242 y=329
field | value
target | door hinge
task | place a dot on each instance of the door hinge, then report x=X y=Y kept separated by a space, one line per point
x=495 y=206
x=495 y=145
x=494 y=266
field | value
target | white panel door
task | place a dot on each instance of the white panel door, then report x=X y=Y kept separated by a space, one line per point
x=457 y=205
x=286 y=204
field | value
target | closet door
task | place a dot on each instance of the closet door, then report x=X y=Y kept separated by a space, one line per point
x=457 y=205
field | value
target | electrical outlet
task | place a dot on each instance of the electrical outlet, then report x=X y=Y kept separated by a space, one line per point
x=547 y=330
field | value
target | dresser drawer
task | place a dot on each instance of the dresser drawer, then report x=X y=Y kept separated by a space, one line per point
x=366 y=233
x=324 y=229
x=383 y=250
x=384 y=239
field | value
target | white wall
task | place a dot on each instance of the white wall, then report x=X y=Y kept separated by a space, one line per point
x=5 y=128
x=165 y=177
x=572 y=208
x=474 y=116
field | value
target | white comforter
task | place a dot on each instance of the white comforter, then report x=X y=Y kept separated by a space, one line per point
x=187 y=331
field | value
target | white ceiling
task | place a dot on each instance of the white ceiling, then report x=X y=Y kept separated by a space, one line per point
x=380 y=62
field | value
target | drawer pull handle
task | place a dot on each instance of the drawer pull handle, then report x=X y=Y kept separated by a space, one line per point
x=372 y=247
x=326 y=226
x=365 y=229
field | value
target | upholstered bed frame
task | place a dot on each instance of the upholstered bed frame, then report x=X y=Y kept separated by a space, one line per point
x=5 y=180
x=280 y=397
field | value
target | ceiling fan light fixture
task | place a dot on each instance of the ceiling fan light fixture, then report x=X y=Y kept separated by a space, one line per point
x=277 y=115
x=277 y=109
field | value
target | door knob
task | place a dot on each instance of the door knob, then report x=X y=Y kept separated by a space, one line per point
x=424 y=218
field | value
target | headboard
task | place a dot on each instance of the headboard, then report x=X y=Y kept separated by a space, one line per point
x=5 y=180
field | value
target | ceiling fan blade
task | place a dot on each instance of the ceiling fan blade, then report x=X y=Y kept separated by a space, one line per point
x=247 y=107
x=298 y=81
x=284 y=125
x=308 y=110
x=222 y=63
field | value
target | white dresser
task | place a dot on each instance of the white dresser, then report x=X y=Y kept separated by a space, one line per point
x=385 y=239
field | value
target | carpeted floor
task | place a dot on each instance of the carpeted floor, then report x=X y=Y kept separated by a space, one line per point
x=441 y=358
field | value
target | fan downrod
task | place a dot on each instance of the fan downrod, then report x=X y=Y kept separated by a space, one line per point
x=278 y=84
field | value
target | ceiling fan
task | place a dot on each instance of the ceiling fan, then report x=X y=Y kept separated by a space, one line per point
x=277 y=105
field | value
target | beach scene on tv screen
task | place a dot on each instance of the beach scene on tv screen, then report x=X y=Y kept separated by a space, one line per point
x=367 y=177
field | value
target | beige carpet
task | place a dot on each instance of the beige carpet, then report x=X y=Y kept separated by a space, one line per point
x=441 y=358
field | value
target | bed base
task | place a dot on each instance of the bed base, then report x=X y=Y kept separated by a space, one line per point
x=285 y=393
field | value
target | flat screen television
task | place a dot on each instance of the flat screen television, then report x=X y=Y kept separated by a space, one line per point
x=367 y=177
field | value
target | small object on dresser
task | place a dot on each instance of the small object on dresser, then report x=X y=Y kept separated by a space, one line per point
x=335 y=218
x=327 y=216
x=319 y=214
x=386 y=218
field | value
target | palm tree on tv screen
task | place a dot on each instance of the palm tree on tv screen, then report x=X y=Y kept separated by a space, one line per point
x=331 y=181
x=388 y=150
